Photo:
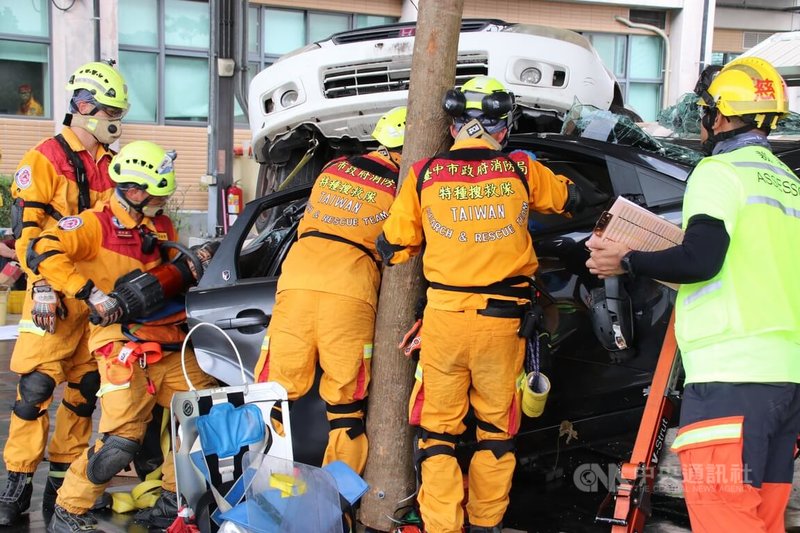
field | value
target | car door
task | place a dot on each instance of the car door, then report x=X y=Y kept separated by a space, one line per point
x=237 y=291
x=601 y=397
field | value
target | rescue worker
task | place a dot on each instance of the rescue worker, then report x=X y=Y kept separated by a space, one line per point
x=738 y=307
x=328 y=290
x=27 y=103
x=60 y=177
x=83 y=256
x=469 y=208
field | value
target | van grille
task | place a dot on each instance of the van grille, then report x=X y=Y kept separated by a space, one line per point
x=387 y=76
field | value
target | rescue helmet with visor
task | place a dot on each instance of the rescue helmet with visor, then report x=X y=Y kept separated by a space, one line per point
x=145 y=166
x=483 y=98
x=391 y=128
x=105 y=84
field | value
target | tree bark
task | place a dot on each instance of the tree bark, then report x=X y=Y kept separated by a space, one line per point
x=390 y=464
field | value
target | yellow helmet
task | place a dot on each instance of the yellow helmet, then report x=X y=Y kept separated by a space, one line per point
x=103 y=81
x=751 y=88
x=390 y=130
x=483 y=98
x=147 y=166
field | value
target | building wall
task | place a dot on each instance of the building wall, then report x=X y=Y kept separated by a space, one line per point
x=728 y=40
x=17 y=136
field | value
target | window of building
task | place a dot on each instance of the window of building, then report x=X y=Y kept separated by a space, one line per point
x=164 y=51
x=651 y=17
x=723 y=58
x=637 y=62
x=25 y=87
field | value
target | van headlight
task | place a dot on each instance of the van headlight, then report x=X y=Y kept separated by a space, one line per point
x=289 y=98
x=531 y=75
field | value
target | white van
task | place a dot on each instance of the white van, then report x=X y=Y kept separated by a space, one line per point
x=325 y=98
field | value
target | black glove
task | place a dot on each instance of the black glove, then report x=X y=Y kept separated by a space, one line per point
x=204 y=252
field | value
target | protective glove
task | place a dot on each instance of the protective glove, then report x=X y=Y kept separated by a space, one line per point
x=45 y=306
x=204 y=252
x=107 y=309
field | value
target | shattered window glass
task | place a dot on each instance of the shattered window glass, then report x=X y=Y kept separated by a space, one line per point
x=593 y=123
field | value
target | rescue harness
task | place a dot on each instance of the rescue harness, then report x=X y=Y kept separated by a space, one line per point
x=84 y=199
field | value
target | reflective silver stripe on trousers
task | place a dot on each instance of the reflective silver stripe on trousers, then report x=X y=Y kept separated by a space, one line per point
x=711 y=287
x=767 y=166
x=772 y=202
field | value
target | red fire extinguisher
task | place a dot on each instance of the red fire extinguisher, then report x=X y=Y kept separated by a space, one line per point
x=235 y=202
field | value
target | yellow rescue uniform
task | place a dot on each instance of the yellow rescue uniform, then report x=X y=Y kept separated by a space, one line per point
x=327 y=297
x=102 y=245
x=45 y=189
x=470 y=209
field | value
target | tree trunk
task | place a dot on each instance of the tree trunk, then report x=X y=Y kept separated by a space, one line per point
x=390 y=468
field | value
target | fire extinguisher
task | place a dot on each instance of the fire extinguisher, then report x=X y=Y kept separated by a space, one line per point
x=235 y=202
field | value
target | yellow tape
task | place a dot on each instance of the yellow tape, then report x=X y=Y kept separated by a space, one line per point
x=288 y=485
x=143 y=495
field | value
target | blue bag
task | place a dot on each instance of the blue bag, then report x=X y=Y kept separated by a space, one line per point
x=226 y=429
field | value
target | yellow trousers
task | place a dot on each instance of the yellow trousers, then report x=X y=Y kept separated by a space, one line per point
x=310 y=326
x=467 y=359
x=64 y=356
x=126 y=410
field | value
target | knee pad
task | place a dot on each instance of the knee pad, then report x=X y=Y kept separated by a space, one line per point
x=116 y=453
x=498 y=447
x=354 y=424
x=88 y=387
x=34 y=389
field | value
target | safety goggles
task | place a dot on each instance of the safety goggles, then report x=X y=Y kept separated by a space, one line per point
x=490 y=124
x=114 y=113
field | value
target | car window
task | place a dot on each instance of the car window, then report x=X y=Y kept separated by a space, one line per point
x=271 y=233
x=592 y=180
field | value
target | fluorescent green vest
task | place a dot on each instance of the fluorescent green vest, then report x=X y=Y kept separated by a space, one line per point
x=743 y=325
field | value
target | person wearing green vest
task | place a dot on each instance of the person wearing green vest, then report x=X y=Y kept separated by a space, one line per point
x=737 y=308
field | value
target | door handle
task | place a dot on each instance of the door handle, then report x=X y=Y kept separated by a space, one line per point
x=242 y=322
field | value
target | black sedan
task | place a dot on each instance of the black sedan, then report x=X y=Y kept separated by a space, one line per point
x=598 y=392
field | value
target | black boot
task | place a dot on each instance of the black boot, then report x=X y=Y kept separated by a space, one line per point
x=65 y=522
x=55 y=477
x=162 y=514
x=16 y=497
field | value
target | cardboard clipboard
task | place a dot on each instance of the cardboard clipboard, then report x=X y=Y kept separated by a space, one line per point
x=638 y=228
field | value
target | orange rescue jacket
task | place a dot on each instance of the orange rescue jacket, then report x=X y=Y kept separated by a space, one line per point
x=45 y=182
x=335 y=251
x=103 y=244
x=472 y=216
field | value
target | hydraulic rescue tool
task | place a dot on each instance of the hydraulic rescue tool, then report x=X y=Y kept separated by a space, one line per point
x=632 y=495
x=142 y=293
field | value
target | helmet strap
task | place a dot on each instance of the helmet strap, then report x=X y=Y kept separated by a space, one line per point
x=475 y=130
x=142 y=207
